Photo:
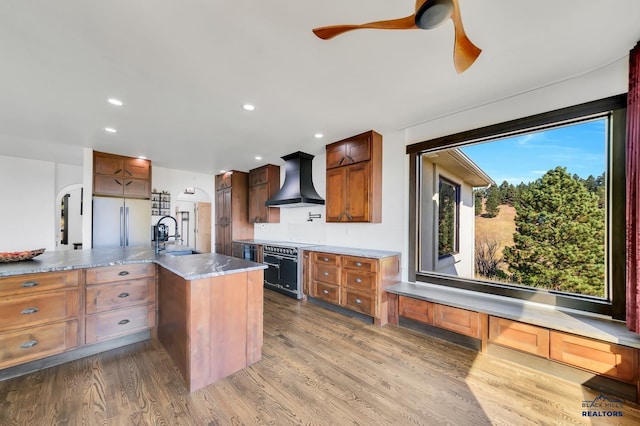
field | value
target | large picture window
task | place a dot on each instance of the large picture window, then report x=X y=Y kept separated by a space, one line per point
x=537 y=210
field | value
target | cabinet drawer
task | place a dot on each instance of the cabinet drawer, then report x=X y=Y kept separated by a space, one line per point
x=608 y=359
x=112 y=324
x=115 y=296
x=326 y=292
x=516 y=335
x=457 y=320
x=38 y=308
x=128 y=272
x=327 y=273
x=37 y=342
x=419 y=310
x=357 y=301
x=30 y=283
x=325 y=259
x=363 y=281
x=359 y=263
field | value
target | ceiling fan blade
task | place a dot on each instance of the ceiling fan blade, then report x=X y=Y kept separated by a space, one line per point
x=464 y=51
x=406 y=23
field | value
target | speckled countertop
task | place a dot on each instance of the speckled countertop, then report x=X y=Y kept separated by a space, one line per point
x=189 y=267
x=349 y=251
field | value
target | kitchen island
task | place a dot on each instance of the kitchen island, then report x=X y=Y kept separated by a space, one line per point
x=71 y=304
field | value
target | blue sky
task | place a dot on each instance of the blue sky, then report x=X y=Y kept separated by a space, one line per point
x=581 y=148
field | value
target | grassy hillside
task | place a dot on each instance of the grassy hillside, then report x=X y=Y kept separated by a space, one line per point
x=499 y=228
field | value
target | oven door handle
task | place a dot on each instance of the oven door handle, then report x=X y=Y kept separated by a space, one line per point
x=272 y=264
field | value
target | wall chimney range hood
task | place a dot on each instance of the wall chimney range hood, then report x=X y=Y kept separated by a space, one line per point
x=297 y=189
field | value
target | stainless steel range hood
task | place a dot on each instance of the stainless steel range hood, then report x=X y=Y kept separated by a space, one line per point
x=297 y=189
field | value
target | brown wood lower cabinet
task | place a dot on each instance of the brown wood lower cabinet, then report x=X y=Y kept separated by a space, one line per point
x=25 y=345
x=119 y=300
x=112 y=324
x=608 y=359
x=38 y=316
x=211 y=327
x=353 y=282
x=520 y=336
x=601 y=358
x=416 y=309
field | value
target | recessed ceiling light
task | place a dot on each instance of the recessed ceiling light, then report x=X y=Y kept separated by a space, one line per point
x=142 y=157
x=110 y=130
x=248 y=107
x=223 y=171
x=258 y=157
x=114 y=101
x=318 y=136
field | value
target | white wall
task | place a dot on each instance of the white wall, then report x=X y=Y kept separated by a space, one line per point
x=175 y=182
x=27 y=194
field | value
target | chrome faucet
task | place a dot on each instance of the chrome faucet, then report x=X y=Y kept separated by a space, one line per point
x=176 y=236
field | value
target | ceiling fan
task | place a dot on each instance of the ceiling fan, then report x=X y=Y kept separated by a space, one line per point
x=429 y=14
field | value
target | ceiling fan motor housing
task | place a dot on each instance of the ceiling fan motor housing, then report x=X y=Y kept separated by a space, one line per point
x=433 y=13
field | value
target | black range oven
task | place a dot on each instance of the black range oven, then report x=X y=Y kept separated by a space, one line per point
x=283 y=273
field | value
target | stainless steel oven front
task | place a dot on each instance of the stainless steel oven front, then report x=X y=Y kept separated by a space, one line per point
x=283 y=270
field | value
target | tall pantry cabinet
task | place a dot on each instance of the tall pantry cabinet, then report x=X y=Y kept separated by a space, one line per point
x=232 y=210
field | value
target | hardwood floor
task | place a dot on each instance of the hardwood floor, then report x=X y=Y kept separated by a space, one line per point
x=318 y=367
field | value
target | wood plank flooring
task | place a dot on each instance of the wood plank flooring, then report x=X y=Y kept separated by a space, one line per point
x=318 y=368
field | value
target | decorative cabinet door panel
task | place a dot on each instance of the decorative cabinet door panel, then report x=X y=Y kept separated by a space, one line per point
x=358 y=184
x=336 y=194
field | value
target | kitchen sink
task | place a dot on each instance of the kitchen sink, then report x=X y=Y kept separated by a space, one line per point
x=182 y=252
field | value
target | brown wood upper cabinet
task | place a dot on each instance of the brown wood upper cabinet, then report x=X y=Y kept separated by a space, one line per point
x=118 y=176
x=354 y=179
x=264 y=182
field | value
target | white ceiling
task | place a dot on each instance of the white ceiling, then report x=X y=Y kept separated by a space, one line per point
x=184 y=68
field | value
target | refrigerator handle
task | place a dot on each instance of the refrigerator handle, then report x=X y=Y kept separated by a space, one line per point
x=126 y=229
x=121 y=226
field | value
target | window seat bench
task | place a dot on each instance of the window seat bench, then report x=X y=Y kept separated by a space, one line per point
x=592 y=349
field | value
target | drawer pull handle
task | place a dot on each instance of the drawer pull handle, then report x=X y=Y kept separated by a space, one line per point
x=326 y=259
x=358 y=264
x=358 y=280
x=325 y=274
x=29 y=344
x=123 y=295
x=123 y=273
x=29 y=311
x=29 y=284
x=325 y=291
x=123 y=322
x=358 y=301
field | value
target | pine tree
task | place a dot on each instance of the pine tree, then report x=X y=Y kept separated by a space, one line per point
x=492 y=204
x=478 y=197
x=507 y=193
x=559 y=239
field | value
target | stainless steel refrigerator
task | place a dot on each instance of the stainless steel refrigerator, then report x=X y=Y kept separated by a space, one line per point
x=119 y=222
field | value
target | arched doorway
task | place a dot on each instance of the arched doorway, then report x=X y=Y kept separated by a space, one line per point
x=193 y=212
x=69 y=211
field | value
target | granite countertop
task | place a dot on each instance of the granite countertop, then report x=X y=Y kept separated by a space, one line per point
x=189 y=267
x=359 y=252
x=349 y=251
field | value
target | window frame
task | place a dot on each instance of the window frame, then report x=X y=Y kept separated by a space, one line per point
x=616 y=199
